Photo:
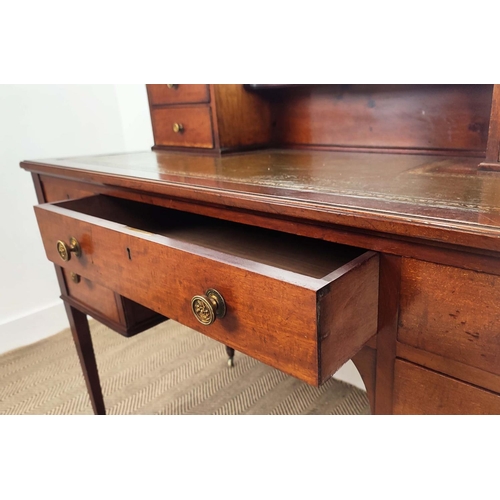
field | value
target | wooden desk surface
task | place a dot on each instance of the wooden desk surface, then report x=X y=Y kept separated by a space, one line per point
x=434 y=219
x=439 y=198
x=409 y=175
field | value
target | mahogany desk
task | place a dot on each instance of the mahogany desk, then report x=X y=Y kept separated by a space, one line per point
x=319 y=256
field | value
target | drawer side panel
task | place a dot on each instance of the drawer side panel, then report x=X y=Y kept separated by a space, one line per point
x=349 y=314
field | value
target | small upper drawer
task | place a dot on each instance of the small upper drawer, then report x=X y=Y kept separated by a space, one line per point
x=183 y=126
x=301 y=305
x=177 y=94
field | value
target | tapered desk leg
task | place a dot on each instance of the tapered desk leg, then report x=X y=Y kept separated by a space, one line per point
x=83 y=342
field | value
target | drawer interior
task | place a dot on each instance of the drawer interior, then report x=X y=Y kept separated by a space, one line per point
x=301 y=255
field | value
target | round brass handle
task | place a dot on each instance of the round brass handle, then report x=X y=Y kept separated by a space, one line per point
x=178 y=128
x=207 y=308
x=172 y=86
x=74 y=277
x=65 y=250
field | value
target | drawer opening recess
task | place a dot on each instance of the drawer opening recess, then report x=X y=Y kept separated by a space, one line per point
x=309 y=257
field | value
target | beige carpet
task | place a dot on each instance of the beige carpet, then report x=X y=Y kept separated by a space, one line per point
x=169 y=369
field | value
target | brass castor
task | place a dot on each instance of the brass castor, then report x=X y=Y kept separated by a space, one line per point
x=230 y=354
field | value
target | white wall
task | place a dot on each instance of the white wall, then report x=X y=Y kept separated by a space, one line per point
x=47 y=121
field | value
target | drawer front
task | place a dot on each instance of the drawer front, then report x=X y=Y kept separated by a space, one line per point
x=119 y=313
x=95 y=297
x=58 y=189
x=418 y=391
x=178 y=94
x=183 y=126
x=451 y=312
x=304 y=326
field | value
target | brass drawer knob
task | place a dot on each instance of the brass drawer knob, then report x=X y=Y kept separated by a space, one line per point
x=65 y=250
x=172 y=86
x=75 y=277
x=178 y=128
x=207 y=308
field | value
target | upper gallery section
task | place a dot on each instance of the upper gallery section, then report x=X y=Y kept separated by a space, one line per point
x=416 y=119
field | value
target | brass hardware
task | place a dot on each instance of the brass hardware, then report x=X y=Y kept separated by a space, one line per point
x=178 y=128
x=75 y=277
x=65 y=251
x=172 y=86
x=208 y=308
x=230 y=356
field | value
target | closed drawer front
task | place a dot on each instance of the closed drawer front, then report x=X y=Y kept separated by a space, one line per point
x=303 y=306
x=119 y=313
x=55 y=189
x=94 y=297
x=178 y=94
x=451 y=312
x=418 y=391
x=183 y=126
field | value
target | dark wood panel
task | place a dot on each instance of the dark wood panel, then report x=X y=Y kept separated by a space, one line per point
x=83 y=342
x=451 y=312
x=243 y=118
x=389 y=287
x=196 y=126
x=450 y=367
x=348 y=315
x=492 y=161
x=58 y=190
x=418 y=391
x=427 y=117
x=178 y=94
x=314 y=258
x=138 y=317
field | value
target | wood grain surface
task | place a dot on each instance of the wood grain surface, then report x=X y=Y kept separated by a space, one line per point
x=195 y=120
x=96 y=297
x=418 y=391
x=180 y=94
x=451 y=312
x=425 y=117
x=493 y=150
x=447 y=366
x=390 y=282
x=243 y=118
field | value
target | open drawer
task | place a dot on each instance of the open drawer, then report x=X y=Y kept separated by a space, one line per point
x=302 y=305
